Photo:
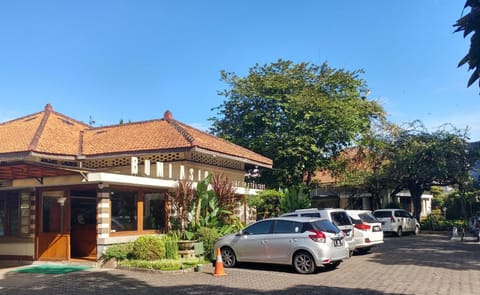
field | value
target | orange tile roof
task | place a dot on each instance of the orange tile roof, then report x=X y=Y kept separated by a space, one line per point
x=46 y=132
x=356 y=162
x=50 y=132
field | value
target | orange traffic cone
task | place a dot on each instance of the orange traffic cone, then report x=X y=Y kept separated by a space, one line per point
x=219 y=271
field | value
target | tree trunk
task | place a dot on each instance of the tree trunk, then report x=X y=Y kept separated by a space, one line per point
x=416 y=195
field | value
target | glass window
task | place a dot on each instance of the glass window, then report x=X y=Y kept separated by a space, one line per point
x=124 y=211
x=53 y=212
x=367 y=218
x=259 y=228
x=14 y=209
x=154 y=211
x=340 y=218
x=2 y=217
x=326 y=226
x=14 y=213
x=382 y=214
x=356 y=221
x=285 y=226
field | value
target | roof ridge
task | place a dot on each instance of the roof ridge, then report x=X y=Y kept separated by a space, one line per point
x=46 y=114
x=67 y=117
x=80 y=142
x=124 y=124
x=182 y=131
x=168 y=117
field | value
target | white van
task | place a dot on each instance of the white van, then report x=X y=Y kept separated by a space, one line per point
x=397 y=221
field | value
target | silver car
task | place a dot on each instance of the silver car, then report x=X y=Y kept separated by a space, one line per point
x=337 y=216
x=305 y=243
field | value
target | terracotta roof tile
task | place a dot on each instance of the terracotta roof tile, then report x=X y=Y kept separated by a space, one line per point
x=210 y=142
x=17 y=135
x=61 y=135
x=50 y=132
x=148 y=135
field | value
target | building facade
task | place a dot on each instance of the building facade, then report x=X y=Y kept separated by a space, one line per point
x=68 y=190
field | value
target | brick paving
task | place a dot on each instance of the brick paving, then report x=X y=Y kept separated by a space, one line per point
x=423 y=264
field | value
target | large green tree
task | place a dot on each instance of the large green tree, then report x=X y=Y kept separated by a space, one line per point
x=470 y=23
x=299 y=115
x=420 y=159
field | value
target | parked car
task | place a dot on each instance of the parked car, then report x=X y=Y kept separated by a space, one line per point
x=367 y=229
x=397 y=221
x=305 y=243
x=337 y=216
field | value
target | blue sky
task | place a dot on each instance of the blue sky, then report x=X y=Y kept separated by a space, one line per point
x=132 y=60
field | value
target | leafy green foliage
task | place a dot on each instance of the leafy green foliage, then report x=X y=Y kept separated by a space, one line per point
x=470 y=23
x=182 y=200
x=294 y=198
x=206 y=207
x=208 y=236
x=267 y=203
x=148 y=248
x=171 y=247
x=296 y=114
x=419 y=159
x=162 y=264
x=118 y=251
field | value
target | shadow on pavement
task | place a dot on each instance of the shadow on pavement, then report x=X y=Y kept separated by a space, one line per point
x=104 y=282
x=431 y=250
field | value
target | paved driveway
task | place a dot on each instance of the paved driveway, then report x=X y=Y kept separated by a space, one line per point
x=424 y=264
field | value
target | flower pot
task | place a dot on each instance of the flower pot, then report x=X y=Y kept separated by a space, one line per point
x=185 y=244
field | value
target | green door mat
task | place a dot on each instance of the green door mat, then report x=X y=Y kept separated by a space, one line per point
x=54 y=269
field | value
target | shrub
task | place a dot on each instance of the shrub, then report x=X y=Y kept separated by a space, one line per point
x=208 y=236
x=163 y=264
x=171 y=247
x=118 y=251
x=148 y=248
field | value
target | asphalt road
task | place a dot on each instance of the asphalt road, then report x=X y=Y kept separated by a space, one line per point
x=423 y=264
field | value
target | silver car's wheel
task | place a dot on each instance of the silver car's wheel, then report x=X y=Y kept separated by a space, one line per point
x=228 y=257
x=303 y=263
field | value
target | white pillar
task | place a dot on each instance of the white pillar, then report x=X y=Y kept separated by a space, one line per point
x=159 y=169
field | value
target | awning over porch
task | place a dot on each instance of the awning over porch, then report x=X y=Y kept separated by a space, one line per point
x=105 y=178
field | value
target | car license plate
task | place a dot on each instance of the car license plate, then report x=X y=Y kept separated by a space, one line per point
x=338 y=242
x=376 y=228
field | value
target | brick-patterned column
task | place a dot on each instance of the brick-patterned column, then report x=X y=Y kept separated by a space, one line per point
x=33 y=214
x=103 y=219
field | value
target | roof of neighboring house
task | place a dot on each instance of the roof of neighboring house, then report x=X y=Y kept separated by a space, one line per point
x=355 y=159
x=49 y=132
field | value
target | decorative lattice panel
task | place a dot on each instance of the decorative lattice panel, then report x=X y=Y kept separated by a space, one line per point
x=216 y=161
x=125 y=161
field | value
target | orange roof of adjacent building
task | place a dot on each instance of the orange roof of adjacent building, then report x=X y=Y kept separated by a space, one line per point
x=49 y=132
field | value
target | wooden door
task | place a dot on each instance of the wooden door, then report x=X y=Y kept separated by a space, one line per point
x=53 y=239
x=83 y=233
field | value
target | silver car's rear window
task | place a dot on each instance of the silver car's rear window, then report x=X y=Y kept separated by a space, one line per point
x=323 y=225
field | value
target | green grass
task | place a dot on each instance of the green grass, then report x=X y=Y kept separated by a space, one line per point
x=163 y=264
